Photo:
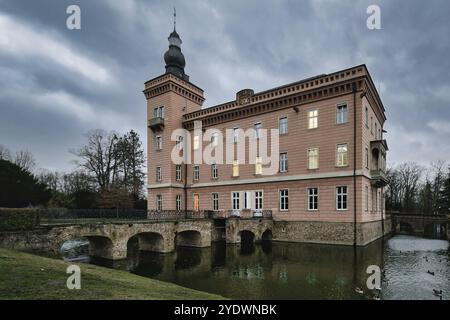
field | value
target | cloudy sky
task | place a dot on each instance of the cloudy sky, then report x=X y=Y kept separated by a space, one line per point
x=56 y=84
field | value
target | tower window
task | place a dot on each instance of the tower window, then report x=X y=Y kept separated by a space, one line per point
x=342 y=155
x=158 y=142
x=313 y=116
x=283 y=162
x=341 y=113
x=158 y=112
x=196 y=172
x=283 y=125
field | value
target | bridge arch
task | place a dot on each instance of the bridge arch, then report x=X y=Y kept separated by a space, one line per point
x=267 y=235
x=99 y=246
x=149 y=241
x=246 y=236
x=188 y=238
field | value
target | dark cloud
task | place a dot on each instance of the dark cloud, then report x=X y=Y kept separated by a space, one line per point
x=57 y=84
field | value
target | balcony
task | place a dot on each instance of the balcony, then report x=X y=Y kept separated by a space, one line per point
x=377 y=172
x=378 y=178
x=156 y=123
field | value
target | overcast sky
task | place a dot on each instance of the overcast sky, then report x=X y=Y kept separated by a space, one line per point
x=56 y=84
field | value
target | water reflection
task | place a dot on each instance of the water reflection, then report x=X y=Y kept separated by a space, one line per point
x=411 y=268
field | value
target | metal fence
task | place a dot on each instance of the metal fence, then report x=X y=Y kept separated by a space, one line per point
x=47 y=216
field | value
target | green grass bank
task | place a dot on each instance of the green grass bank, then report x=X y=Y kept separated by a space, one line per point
x=28 y=276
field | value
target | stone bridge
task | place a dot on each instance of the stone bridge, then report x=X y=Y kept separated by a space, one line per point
x=110 y=240
x=421 y=224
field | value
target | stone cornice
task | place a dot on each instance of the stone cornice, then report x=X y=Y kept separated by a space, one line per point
x=287 y=101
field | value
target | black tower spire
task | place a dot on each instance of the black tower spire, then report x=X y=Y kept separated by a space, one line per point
x=173 y=57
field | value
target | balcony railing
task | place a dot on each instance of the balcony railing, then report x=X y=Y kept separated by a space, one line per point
x=378 y=178
x=156 y=123
x=208 y=214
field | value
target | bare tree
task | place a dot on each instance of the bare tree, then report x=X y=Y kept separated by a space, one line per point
x=410 y=174
x=99 y=157
x=5 y=154
x=25 y=160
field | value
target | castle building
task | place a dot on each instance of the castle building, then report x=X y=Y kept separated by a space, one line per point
x=328 y=187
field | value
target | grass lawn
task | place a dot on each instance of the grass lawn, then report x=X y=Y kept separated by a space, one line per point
x=27 y=276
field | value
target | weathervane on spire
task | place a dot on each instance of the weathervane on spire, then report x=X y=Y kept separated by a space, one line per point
x=174 y=18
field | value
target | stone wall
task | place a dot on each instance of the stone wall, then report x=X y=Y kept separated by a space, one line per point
x=340 y=233
x=257 y=226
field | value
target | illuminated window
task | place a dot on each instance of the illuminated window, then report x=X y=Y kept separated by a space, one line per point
x=258 y=165
x=196 y=205
x=196 y=142
x=342 y=155
x=313 y=158
x=313 y=116
x=236 y=168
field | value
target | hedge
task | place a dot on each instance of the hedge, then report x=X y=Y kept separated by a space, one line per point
x=17 y=219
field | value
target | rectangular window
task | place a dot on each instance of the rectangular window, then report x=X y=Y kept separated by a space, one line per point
x=158 y=202
x=258 y=200
x=366 y=195
x=367 y=157
x=247 y=200
x=215 y=200
x=178 y=172
x=178 y=202
x=313 y=158
x=215 y=139
x=235 y=135
x=371 y=125
x=196 y=172
x=376 y=130
x=367 y=117
x=341 y=198
x=214 y=171
x=158 y=142
x=341 y=113
x=158 y=112
x=235 y=168
x=258 y=165
x=196 y=204
x=283 y=162
x=258 y=127
x=179 y=143
x=283 y=125
x=196 y=142
x=342 y=155
x=313 y=116
x=284 y=200
x=313 y=199
x=236 y=205
x=158 y=174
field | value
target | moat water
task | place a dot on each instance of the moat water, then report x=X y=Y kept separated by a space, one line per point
x=411 y=268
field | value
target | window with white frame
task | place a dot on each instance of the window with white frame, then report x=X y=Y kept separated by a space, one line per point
x=366 y=196
x=284 y=200
x=341 y=113
x=247 y=200
x=258 y=200
x=341 y=198
x=342 y=155
x=367 y=157
x=158 y=112
x=178 y=172
x=283 y=162
x=178 y=202
x=283 y=125
x=313 y=158
x=158 y=142
x=313 y=199
x=159 y=202
x=214 y=171
x=313 y=116
x=196 y=142
x=179 y=143
x=258 y=127
x=235 y=168
x=196 y=172
x=215 y=139
x=258 y=165
x=236 y=135
x=158 y=174
x=215 y=200
x=236 y=205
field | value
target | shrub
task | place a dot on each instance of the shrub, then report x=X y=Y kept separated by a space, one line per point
x=17 y=219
